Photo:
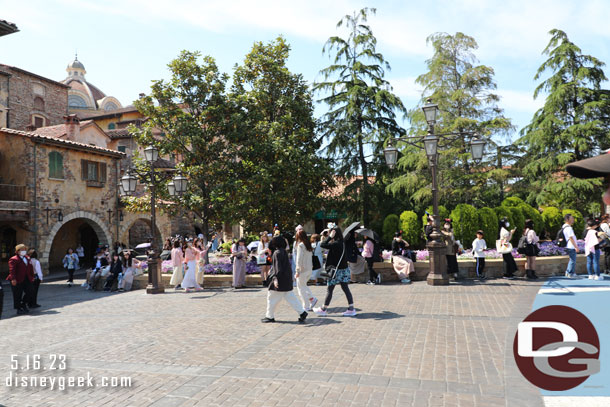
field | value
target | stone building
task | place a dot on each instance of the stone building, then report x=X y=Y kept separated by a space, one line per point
x=83 y=96
x=27 y=99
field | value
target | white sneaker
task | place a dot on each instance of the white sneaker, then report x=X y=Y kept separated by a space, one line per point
x=598 y=278
x=592 y=277
x=350 y=313
x=320 y=312
x=312 y=304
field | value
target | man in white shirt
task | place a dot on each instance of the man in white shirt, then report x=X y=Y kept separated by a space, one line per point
x=478 y=249
x=571 y=246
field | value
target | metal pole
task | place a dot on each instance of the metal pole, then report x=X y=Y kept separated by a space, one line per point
x=154 y=275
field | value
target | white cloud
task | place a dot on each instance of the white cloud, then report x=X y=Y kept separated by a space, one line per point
x=406 y=88
x=519 y=101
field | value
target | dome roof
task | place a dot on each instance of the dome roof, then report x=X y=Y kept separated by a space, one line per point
x=76 y=64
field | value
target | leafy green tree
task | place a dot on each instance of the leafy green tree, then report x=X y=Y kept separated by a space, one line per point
x=534 y=215
x=489 y=225
x=573 y=124
x=443 y=213
x=512 y=201
x=465 y=223
x=362 y=107
x=504 y=212
x=391 y=225
x=411 y=228
x=518 y=223
x=198 y=122
x=465 y=94
x=553 y=219
x=283 y=175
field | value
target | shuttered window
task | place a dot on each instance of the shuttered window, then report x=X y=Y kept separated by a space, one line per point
x=93 y=171
x=56 y=165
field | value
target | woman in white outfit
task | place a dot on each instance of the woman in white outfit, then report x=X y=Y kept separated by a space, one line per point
x=263 y=255
x=317 y=251
x=178 y=264
x=190 y=259
x=303 y=270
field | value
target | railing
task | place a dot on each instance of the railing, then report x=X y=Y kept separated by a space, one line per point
x=10 y=192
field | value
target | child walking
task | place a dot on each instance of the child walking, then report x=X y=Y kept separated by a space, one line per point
x=478 y=248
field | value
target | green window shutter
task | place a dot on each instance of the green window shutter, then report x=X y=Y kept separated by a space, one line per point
x=102 y=172
x=56 y=165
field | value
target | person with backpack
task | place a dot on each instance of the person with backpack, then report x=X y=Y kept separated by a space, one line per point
x=368 y=252
x=568 y=240
x=592 y=250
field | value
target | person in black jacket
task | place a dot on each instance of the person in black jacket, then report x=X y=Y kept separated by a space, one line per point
x=337 y=257
x=99 y=262
x=401 y=260
x=116 y=268
x=280 y=285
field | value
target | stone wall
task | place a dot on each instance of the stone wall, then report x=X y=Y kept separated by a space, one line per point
x=23 y=88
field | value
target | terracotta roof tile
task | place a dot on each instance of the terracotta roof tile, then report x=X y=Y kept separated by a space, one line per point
x=58 y=130
x=109 y=113
x=118 y=133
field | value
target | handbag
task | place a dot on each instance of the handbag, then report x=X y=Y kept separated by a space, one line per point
x=315 y=261
x=522 y=246
x=531 y=249
x=261 y=259
x=331 y=270
x=503 y=248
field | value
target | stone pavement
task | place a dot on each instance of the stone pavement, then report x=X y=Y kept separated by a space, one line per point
x=413 y=345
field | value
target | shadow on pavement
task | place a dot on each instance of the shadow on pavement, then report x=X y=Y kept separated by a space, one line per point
x=379 y=316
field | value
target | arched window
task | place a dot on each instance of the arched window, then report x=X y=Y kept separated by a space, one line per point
x=111 y=126
x=39 y=103
x=76 y=102
x=110 y=106
x=56 y=165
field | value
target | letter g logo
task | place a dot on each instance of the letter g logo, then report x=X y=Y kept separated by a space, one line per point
x=556 y=348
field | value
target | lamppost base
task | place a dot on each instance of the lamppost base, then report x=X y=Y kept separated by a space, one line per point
x=155 y=290
x=435 y=279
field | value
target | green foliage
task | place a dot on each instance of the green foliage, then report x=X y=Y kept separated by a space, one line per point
x=391 y=225
x=513 y=201
x=252 y=238
x=411 y=228
x=518 y=223
x=489 y=225
x=553 y=219
x=504 y=212
x=465 y=223
x=534 y=215
x=465 y=94
x=579 y=221
x=226 y=247
x=361 y=106
x=572 y=125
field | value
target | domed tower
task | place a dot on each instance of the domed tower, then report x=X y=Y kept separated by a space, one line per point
x=84 y=97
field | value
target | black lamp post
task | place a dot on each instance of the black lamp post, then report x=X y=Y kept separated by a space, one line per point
x=436 y=247
x=176 y=187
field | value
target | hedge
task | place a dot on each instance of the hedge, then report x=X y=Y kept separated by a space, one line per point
x=489 y=225
x=534 y=215
x=553 y=219
x=391 y=225
x=579 y=222
x=512 y=201
x=519 y=224
x=503 y=212
x=411 y=228
x=465 y=223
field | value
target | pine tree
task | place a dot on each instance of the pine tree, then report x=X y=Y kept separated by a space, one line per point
x=573 y=124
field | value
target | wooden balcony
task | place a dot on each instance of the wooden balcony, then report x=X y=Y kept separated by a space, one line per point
x=10 y=192
x=13 y=206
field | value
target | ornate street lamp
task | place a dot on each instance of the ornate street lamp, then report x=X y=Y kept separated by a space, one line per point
x=151 y=153
x=391 y=155
x=181 y=183
x=477 y=146
x=431 y=145
x=129 y=183
x=430 y=112
x=171 y=188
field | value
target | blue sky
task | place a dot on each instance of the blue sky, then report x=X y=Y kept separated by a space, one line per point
x=124 y=44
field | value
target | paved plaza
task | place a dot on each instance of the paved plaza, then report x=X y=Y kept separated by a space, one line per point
x=413 y=345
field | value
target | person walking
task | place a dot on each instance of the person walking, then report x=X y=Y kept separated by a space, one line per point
x=190 y=259
x=80 y=252
x=21 y=276
x=368 y=251
x=592 y=251
x=531 y=249
x=239 y=252
x=177 y=265
x=451 y=250
x=336 y=259
x=403 y=265
x=70 y=263
x=571 y=245
x=478 y=249
x=304 y=269
x=280 y=285
x=33 y=303
x=510 y=266
x=263 y=256
x=355 y=261
x=201 y=251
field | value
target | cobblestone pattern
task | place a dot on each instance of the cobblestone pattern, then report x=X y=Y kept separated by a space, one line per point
x=413 y=345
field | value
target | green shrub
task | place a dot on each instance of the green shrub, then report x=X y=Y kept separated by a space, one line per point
x=226 y=247
x=579 y=222
x=553 y=219
x=533 y=214
x=489 y=225
x=252 y=238
x=465 y=223
x=443 y=213
x=519 y=223
x=391 y=225
x=503 y=212
x=411 y=228
x=512 y=201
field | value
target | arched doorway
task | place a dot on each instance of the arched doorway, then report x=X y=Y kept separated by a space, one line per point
x=140 y=232
x=76 y=227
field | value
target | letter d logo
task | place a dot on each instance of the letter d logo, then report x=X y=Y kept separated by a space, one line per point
x=526 y=338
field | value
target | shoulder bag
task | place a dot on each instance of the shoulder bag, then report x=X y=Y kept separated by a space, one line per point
x=331 y=270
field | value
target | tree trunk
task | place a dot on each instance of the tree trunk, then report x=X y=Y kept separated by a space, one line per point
x=365 y=179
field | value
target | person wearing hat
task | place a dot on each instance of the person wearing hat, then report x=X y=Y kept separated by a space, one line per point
x=21 y=276
x=478 y=250
x=450 y=254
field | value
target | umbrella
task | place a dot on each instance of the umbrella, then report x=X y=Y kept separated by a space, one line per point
x=350 y=228
x=366 y=232
x=143 y=246
x=253 y=245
